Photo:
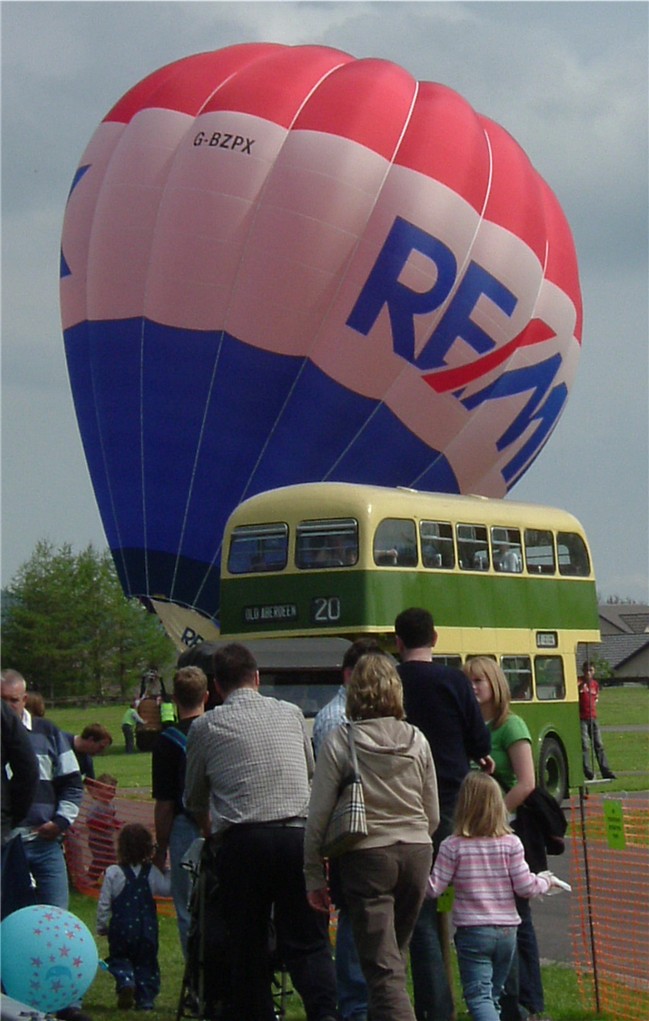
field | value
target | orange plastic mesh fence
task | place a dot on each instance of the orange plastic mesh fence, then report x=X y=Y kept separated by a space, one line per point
x=91 y=844
x=609 y=905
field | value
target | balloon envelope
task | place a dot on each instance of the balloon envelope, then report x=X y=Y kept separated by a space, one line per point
x=49 y=957
x=282 y=264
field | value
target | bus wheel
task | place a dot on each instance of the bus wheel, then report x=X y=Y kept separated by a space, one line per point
x=553 y=769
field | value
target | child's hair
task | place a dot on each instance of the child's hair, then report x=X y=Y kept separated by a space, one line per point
x=107 y=780
x=480 y=810
x=35 y=703
x=134 y=844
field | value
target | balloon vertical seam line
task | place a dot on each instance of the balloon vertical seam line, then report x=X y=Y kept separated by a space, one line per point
x=142 y=472
x=415 y=481
x=104 y=459
x=194 y=471
x=340 y=283
x=244 y=251
x=205 y=101
x=305 y=358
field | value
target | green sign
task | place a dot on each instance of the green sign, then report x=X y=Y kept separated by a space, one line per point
x=614 y=816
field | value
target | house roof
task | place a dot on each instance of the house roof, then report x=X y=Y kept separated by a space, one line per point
x=627 y=618
x=618 y=649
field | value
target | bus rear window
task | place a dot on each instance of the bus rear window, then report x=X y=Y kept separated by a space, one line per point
x=573 y=555
x=257 y=548
x=539 y=551
x=518 y=671
x=437 y=544
x=328 y=543
x=550 y=682
x=473 y=547
x=395 y=543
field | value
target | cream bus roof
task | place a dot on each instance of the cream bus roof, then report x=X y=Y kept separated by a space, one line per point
x=317 y=499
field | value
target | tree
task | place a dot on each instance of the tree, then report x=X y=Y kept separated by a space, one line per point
x=69 y=629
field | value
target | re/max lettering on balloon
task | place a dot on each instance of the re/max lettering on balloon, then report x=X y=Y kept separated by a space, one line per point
x=383 y=288
x=224 y=140
x=542 y=412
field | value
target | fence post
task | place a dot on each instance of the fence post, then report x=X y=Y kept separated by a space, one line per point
x=591 y=931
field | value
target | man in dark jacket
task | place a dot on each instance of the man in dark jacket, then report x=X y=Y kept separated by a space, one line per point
x=440 y=701
x=19 y=788
x=58 y=797
x=19 y=782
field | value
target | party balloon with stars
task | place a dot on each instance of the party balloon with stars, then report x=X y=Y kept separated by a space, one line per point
x=49 y=957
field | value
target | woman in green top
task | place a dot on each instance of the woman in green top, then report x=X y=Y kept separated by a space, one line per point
x=511 y=750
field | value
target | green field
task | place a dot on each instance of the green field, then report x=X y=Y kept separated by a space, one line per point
x=629 y=757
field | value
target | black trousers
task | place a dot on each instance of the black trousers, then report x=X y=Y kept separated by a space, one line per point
x=260 y=870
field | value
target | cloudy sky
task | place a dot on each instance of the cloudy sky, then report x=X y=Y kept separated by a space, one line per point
x=567 y=80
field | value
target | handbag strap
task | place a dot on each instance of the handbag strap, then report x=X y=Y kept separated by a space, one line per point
x=352 y=748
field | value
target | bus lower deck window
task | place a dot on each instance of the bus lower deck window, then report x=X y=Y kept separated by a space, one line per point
x=550 y=681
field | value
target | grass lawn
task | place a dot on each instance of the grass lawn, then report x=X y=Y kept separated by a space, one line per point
x=563 y=1002
x=627 y=752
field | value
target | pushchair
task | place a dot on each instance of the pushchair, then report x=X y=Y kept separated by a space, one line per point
x=205 y=988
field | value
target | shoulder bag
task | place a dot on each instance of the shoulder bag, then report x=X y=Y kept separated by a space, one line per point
x=348 y=822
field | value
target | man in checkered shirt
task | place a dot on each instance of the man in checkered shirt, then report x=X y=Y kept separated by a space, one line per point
x=249 y=765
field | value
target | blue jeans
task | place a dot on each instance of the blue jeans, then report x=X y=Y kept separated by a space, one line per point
x=350 y=981
x=591 y=736
x=47 y=865
x=183 y=832
x=484 y=957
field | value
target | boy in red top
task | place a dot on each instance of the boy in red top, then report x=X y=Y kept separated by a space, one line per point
x=591 y=740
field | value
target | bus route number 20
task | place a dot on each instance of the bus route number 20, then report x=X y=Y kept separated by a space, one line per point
x=325 y=609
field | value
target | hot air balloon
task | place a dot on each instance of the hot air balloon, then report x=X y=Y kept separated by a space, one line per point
x=284 y=264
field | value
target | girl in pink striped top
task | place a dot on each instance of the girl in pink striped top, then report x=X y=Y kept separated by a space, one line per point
x=484 y=861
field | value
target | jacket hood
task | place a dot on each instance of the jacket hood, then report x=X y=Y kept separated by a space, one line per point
x=385 y=746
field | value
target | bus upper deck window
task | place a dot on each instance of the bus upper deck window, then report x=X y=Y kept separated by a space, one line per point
x=437 y=544
x=573 y=555
x=328 y=543
x=506 y=550
x=257 y=548
x=518 y=671
x=395 y=543
x=539 y=551
x=473 y=547
x=550 y=681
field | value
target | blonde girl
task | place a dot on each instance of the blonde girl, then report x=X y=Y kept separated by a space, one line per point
x=511 y=750
x=484 y=861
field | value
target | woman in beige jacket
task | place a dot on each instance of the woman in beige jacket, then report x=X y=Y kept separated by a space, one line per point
x=384 y=877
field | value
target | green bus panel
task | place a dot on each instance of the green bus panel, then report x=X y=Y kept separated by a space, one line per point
x=349 y=602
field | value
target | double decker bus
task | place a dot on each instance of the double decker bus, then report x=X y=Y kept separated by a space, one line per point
x=509 y=580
